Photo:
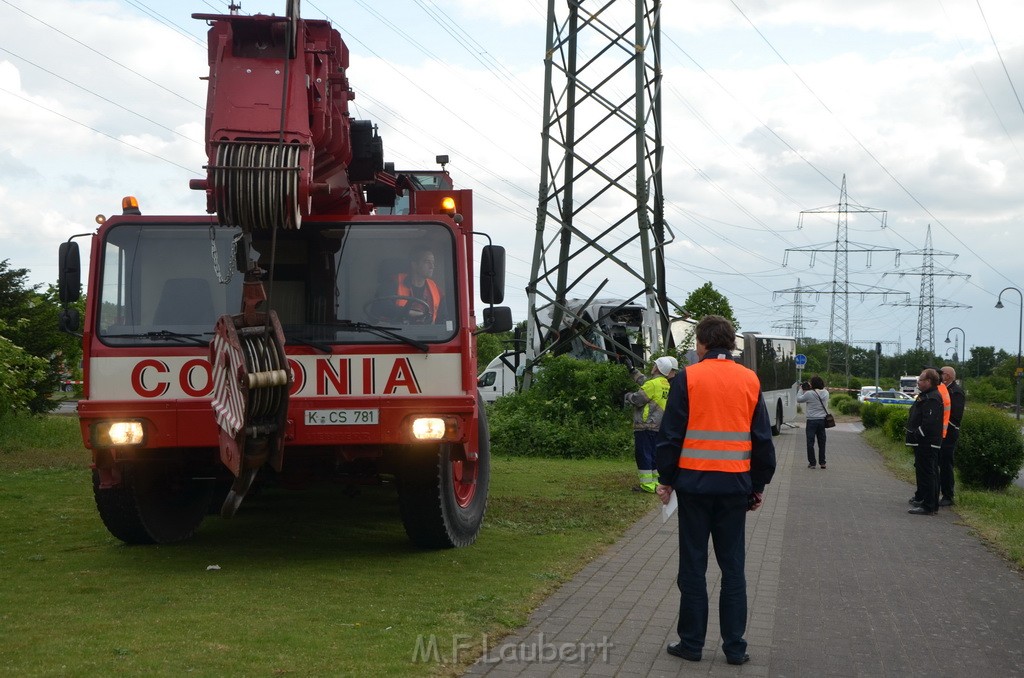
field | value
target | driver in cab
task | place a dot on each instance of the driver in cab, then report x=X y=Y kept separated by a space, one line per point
x=417 y=298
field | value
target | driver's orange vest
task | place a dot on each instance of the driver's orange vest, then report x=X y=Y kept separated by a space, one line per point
x=406 y=291
x=723 y=396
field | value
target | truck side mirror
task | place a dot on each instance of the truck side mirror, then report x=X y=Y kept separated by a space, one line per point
x=492 y=275
x=69 y=280
x=497 y=319
x=68 y=320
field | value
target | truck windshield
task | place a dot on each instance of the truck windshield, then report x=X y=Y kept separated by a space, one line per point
x=159 y=283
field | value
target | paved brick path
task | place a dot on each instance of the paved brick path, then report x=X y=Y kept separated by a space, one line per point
x=841 y=582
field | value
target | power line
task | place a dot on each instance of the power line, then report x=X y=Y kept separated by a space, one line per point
x=100 y=132
x=101 y=54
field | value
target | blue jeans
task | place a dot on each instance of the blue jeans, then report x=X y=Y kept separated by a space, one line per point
x=722 y=517
x=816 y=430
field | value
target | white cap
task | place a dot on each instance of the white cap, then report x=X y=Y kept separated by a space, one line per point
x=666 y=364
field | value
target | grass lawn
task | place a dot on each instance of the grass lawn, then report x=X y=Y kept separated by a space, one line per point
x=997 y=517
x=309 y=583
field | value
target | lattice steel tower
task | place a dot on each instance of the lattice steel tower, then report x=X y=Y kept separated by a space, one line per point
x=839 y=320
x=927 y=303
x=797 y=326
x=600 y=216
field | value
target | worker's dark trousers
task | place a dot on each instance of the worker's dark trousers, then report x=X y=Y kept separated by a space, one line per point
x=926 y=467
x=946 y=462
x=722 y=516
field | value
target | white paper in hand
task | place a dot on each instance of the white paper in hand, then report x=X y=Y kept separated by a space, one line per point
x=668 y=509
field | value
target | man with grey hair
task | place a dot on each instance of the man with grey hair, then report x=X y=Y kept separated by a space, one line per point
x=958 y=400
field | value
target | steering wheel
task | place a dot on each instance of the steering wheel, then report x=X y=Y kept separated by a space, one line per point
x=387 y=308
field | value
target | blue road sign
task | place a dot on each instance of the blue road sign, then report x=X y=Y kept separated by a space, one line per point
x=800 y=359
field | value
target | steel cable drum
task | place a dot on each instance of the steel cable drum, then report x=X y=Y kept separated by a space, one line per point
x=256 y=185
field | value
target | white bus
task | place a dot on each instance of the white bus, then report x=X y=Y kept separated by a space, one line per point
x=773 y=359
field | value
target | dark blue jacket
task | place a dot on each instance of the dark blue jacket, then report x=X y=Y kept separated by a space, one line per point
x=670 y=442
x=924 y=425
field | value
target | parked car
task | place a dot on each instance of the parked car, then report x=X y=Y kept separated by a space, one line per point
x=889 y=398
x=865 y=391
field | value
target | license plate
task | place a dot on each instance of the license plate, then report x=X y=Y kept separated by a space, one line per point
x=341 y=417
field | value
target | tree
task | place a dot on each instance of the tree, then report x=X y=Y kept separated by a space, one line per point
x=490 y=346
x=983 y=360
x=28 y=323
x=703 y=301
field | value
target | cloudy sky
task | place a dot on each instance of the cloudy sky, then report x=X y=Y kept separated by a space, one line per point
x=767 y=105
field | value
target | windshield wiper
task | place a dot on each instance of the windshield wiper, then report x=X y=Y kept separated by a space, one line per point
x=164 y=334
x=380 y=331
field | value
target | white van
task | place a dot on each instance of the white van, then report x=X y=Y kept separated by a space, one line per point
x=498 y=378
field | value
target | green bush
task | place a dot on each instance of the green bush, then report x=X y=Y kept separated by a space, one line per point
x=895 y=425
x=849 y=406
x=573 y=410
x=836 y=400
x=990 y=450
x=873 y=415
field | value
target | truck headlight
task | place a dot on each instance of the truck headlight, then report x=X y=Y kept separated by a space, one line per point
x=128 y=433
x=435 y=428
x=428 y=428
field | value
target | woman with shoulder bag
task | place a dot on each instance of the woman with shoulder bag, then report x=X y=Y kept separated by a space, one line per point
x=815 y=397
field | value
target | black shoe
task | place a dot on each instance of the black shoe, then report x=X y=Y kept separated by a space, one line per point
x=914 y=500
x=921 y=511
x=945 y=502
x=810 y=465
x=738 y=660
x=676 y=650
x=822 y=467
x=916 y=503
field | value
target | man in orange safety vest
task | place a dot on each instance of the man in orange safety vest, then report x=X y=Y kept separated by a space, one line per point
x=715 y=451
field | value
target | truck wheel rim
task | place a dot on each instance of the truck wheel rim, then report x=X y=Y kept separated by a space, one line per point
x=464 y=481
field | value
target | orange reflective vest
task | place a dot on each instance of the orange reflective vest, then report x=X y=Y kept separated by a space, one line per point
x=405 y=290
x=723 y=396
x=947 y=406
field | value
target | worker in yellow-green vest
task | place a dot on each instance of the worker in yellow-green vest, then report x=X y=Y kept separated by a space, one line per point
x=648 y=406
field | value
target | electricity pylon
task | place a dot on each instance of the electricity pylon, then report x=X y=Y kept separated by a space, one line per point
x=600 y=215
x=796 y=327
x=839 y=320
x=927 y=303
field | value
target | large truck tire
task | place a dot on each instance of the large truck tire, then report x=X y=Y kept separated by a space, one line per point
x=442 y=497
x=117 y=510
x=157 y=503
x=779 y=419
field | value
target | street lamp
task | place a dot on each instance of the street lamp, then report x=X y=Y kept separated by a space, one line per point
x=956 y=349
x=1020 y=332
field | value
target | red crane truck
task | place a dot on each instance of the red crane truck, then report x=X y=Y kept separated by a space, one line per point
x=297 y=333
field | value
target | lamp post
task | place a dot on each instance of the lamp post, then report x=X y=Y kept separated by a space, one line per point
x=956 y=348
x=1020 y=332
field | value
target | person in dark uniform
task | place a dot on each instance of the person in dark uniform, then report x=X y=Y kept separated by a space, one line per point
x=715 y=451
x=958 y=400
x=924 y=435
